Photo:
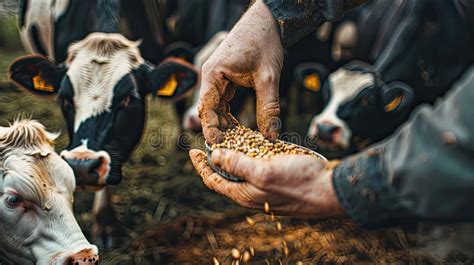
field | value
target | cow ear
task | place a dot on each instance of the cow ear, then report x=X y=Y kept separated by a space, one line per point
x=397 y=97
x=180 y=49
x=311 y=76
x=37 y=74
x=172 y=79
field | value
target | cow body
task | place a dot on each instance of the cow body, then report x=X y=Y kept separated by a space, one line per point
x=37 y=225
x=428 y=49
x=101 y=87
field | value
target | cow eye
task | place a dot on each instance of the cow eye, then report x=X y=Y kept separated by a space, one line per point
x=67 y=104
x=125 y=102
x=14 y=200
x=365 y=102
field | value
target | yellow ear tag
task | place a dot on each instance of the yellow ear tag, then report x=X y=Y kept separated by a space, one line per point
x=168 y=89
x=394 y=104
x=312 y=82
x=40 y=84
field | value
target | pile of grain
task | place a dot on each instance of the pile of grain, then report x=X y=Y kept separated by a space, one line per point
x=254 y=144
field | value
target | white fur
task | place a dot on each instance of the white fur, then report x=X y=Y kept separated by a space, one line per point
x=94 y=75
x=45 y=229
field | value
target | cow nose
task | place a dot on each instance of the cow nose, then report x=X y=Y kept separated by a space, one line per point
x=326 y=131
x=86 y=256
x=89 y=172
x=195 y=124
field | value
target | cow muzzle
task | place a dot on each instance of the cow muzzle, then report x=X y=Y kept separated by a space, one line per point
x=89 y=255
x=330 y=135
x=84 y=257
x=91 y=168
x=191 y=120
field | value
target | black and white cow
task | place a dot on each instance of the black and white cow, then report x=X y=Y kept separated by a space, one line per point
x=101 y=89
x=428 y=50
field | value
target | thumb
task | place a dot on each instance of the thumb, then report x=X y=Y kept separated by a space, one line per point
x=268 y=106
x=242 y=193
x=237 y=164
x=212 y=180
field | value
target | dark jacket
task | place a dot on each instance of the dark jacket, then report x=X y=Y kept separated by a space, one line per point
x=425 y=171
x=298 y=18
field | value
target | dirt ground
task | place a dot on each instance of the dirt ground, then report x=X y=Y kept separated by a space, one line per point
x=170 y=217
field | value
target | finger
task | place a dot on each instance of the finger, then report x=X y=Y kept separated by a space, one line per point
x=238 y=164
x=268 y=105
x=200 y=163
x=226 y=98
x=227 y=120
x=223 y=122
x=229 y=93
x=212 y=88
x=239 y=192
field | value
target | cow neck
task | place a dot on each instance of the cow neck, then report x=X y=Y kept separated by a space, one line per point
x=108 y=16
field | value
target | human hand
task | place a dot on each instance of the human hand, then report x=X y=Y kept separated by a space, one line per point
x=295 y=185
x=250 y=56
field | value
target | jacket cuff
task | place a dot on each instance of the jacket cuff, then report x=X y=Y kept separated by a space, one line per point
x=297 y=20
x=363 y=189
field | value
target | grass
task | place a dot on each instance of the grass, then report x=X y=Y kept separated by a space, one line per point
x=6 y=58
x=9 y=37
x=10 y=44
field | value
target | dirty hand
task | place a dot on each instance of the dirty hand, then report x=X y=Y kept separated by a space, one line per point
x=250 y=56
x=293 y=185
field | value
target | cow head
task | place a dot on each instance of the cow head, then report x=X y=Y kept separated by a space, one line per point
x=37 y=225
x=359 y=108
x=101 y=91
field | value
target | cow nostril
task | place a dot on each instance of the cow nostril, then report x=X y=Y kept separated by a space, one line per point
x=334 y=129
x=85 y=170
x=326 y=131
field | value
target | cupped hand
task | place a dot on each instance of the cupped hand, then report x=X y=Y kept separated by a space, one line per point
x=251 y=56
x=294 y=185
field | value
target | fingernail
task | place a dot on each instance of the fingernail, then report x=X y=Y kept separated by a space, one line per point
x=215 y=139
x=193 y=152
x=273 y=135
x=216 y=156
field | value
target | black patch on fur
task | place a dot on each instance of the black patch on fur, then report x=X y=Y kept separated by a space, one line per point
x=35 y=36
x=22 y=8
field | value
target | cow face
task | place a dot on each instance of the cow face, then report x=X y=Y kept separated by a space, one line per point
x=37 y=225
x=101 y=92
x=360 y=108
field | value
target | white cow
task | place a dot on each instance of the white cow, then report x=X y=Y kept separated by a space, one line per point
x=191 y=119
x=37 y=224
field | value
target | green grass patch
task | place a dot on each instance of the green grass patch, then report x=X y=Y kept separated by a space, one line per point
x=6 y=58
x=9 y=37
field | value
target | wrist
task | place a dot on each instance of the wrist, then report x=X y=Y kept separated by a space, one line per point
x=259 y=18
x=331 y=204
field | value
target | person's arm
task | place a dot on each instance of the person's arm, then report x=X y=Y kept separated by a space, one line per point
x=252 y=56
x=297 y=19
x=424 y=171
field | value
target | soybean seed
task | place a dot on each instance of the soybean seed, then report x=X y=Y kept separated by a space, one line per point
x=253 y=144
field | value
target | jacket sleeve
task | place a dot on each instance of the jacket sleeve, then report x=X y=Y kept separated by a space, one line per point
x=425 y=171
x=298 y=18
